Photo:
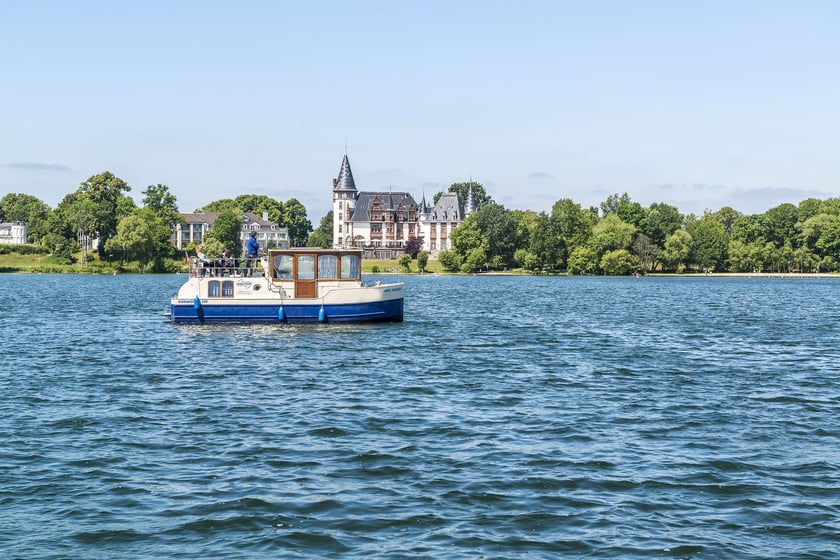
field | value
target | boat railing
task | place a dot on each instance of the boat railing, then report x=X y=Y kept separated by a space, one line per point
x=232 y=267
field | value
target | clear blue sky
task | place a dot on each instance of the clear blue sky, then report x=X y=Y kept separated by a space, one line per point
x=701 y=104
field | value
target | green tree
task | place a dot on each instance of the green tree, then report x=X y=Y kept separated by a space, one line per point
x=475 y=259
x=573 y=224
x=227 y=231
x=466 y=237
x=405 y=262
x=646 y=252
x=104 y=192
x=661 y=220
x=748 y=229
x=18 y=207
x=422 y=260
x=480 y=196
x=616 y=263
x=294 y=218
x=630 y=212
x=677 y=249
x=808 y=208
x=780 y=224
x=323 y=234
x=582 y=260
x=449 y=260
x=727 y=217
x=709 y=243
x=611 y=234
x=546 y=245
x=498 y=227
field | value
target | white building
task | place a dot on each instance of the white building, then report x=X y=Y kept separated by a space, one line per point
x=437 y=223
x=195 y=226
x=12 y=233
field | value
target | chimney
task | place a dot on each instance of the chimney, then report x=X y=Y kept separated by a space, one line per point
x=265 y=216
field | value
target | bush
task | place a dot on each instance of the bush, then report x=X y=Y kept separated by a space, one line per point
x=449 y=260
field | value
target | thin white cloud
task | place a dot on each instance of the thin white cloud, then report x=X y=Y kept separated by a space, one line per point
x=35 y=166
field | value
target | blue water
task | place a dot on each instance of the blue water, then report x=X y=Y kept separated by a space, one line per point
x=507 y=417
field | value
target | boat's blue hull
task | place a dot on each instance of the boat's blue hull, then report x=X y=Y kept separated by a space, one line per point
x=206 y=312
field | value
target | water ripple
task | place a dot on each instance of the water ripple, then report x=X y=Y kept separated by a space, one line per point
x=559 y=417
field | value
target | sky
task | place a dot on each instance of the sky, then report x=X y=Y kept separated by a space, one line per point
x=699 y=104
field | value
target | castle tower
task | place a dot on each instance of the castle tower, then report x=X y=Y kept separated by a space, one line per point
x=469 y=205
x=344 y=202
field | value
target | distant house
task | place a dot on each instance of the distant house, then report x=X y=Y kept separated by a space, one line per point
x=12 y=233
x=438 y=222
x=195 y=226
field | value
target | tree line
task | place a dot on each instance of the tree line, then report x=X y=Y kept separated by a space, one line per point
x=620 y=236
x=100 y=209
x=623 y=237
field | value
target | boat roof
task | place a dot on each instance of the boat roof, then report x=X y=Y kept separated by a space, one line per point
x=317 y=250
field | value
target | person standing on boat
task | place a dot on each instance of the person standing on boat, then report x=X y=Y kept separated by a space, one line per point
x=202 y=260
x=253 y=251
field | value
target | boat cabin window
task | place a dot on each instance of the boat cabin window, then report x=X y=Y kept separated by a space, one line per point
x=227 y=288
x=306 y=267
x=283 y=266
x=220 y=289
x=350 y=267
x=327 y=267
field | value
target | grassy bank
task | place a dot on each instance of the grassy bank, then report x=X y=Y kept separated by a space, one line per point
x=47 y=264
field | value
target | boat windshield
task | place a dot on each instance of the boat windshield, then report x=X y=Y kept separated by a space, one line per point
x=283 y=266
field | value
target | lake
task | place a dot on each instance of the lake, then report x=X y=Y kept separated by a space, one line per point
x=507 y=417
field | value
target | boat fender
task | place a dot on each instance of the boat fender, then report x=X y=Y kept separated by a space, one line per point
x=281 y=314
x=196 y=303
x=322 y=315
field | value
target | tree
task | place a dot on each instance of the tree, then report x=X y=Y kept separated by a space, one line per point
x=103 y=191
x=27 y=209
x=573 y=224
x=727 y=217
x=546 y=245
x=466 y=237
x=582 y=260
x=611 y=234
x=630 y=212
x=294 y=218
x=677 y=249
x=227 y=231
x=422 y=260
x=709 y=243
x=480 y=196
x=780 y=224
x=661 y=220
x=646 y=251
x=162 y=203
x=498 y=227
x=323 y=234
x=405 y=262
x=83 y=215
x=412 y=246
x=615 y=263
x=449 y=260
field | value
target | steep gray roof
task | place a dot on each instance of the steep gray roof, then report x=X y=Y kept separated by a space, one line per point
x=447 y=209
x=201 y=218
x=388 y=200
x=345 y=181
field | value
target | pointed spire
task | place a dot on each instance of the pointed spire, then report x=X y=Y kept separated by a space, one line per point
x=469 y=206
x=345 y=180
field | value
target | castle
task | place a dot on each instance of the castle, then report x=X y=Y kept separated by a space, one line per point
x=382 y=222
